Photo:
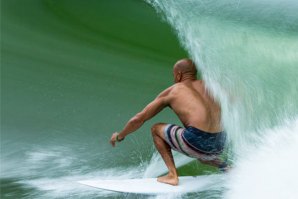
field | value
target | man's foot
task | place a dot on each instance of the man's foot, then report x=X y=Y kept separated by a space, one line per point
x=169 y=179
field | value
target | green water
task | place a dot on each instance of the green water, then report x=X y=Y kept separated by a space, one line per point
x=72 y=73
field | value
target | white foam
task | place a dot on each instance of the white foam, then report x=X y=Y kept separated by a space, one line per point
x=270 y=170
x=67 y=186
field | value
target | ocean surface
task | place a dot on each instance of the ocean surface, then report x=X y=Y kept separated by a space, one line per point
x=73 y=72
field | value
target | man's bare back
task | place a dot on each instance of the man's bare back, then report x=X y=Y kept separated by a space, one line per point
x=194 y=106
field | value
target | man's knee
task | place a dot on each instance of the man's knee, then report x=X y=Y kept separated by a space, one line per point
x=157 y=128
x=213 y=162
x=204 y=161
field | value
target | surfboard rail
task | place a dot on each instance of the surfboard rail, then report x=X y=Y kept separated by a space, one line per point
x=152 y=186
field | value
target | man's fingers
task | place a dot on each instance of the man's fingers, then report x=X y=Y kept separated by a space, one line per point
x=113 y=141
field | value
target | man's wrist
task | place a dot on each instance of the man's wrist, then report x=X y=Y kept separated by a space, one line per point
x=119 y=138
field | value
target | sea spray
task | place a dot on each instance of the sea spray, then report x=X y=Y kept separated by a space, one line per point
x=271 y=170
x=247 y=53
x=157 y=167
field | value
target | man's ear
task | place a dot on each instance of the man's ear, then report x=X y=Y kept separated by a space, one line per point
x=179 y=76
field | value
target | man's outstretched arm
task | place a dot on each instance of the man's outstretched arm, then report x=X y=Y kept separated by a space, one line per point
x=139 y=119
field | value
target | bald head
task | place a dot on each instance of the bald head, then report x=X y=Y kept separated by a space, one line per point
x=185 y=66
x=184 y=69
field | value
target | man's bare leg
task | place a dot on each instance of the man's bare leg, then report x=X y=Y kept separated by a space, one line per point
x=165 y=151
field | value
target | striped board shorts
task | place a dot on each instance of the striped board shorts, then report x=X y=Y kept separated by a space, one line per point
x=194 y=142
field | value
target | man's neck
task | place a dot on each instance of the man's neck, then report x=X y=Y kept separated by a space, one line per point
x=188 y=78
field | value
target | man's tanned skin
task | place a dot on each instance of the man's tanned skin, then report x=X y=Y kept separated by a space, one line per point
x=190 y=101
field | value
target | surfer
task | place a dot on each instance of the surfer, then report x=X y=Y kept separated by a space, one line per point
x=201 y=137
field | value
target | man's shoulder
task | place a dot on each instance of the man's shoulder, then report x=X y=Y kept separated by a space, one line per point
x=174 y=89
x=169 y=92
x=177 y=88
x=166 y=92
x=183 y=87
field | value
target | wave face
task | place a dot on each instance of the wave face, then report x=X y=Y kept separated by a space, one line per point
x=72 y=73
x=247 y=52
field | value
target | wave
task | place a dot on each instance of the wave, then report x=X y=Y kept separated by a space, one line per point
x=247 y=53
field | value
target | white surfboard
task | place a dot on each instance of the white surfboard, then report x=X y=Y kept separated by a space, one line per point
x=152 y=186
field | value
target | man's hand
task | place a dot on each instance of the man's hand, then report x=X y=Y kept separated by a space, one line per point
x=115 y=138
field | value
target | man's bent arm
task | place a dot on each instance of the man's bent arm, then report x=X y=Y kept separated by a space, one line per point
x=148 y=112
